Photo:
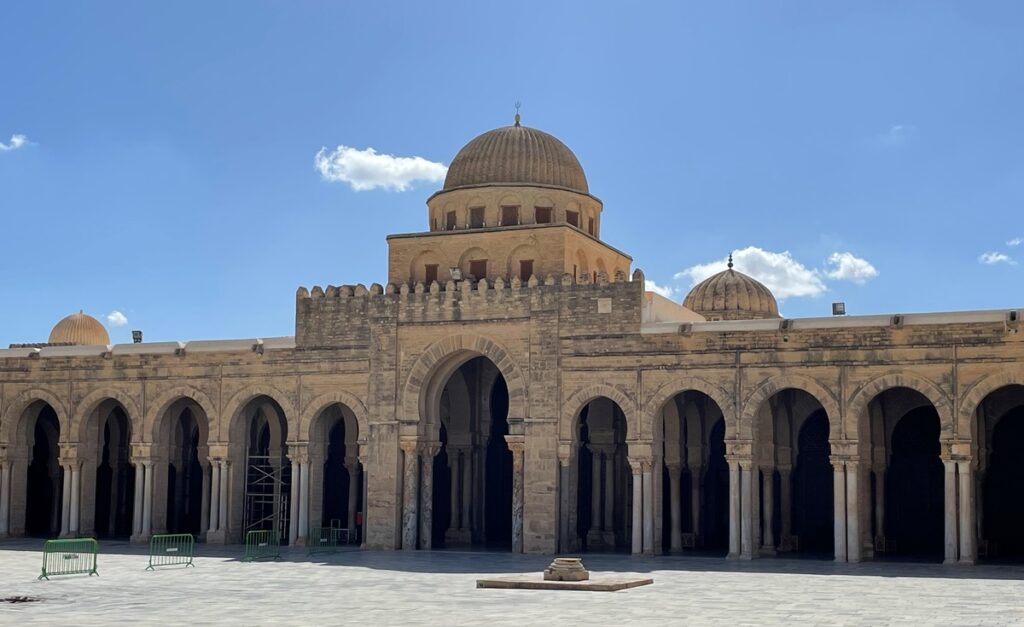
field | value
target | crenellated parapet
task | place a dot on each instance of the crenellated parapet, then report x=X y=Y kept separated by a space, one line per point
x=343 y=315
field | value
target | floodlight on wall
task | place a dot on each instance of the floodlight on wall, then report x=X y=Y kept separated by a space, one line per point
x=838 y=309
x=456 y=273
x=136 y=337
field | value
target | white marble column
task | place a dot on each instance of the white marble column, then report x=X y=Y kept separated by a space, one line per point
x=648 y=480
x=950 y=508
x=453 y=482
x=204 y=508
x=879 y=503
x=517 y=445
x=853 y=539
x=768 y=513
x=65 y=508
x=214 y=495
x=638 y=501
x=294 y=496
x=76 y=491
x=675 y=507
x=410 y=494
x=734 y=509
x=696 y=488
x=5 y=498
x=968 y=509
x=607 y=521
x=353 y=497
x=466 y=464
x=839 y=510
x=225 y=478
x=747 y=548
x=147 y=501
x=303 y=531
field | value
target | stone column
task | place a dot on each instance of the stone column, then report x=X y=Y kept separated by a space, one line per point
x=204 y=509
x=648 y=508
x=147 y=501
x=76 y=491
x=364 y=480
x=517 y=444
x=839 y=509
x=466 y=521
x=747 y=548
x=225 y=478
x=785 y=508
x=353 y=493
x=637 y=545
x=214 y=495
x=734 y=509
x=879 y=504
x=453 y=482
x=610 y=476
x=768 y=513
x=410 y=494
x=293 y=500
x=675 y=508
x=428 y=451
x=968 y=546
x=5 y=498
x=950 y=512
x=596 y=522
x=853 y=539
x=303 y=502
x=564 y=474
x=65 y=509
x=696 y=488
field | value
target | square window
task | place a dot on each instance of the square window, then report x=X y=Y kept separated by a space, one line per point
x=590 y=226
x=449 y=221
x=525 y=269
x=476 y=217
x=430 y=273
x=509 y=216
x=573 y=218
x=478 y=269
x=542 y=215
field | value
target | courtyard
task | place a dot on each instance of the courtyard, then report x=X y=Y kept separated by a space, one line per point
x=386 y=588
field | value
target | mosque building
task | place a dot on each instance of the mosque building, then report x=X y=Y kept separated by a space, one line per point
x=513 y=386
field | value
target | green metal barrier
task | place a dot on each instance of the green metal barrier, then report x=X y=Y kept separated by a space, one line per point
x=324 y=540
x=262 y=545
x=171 y=549
x=70 y=557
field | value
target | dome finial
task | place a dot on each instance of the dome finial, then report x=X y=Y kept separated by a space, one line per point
x=518 y=104
x=730 y=261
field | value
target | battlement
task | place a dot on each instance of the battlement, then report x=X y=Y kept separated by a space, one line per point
x=343 y=315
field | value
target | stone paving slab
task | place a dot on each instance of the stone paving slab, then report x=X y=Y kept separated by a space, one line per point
x=612 y=583
x=439 y=588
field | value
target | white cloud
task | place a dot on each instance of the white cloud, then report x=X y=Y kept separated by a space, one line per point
x=897 y=135
x=992 y=257
x=367 y=169
x=780 y=272
x=116 y=319
x=1017 y=241
x=662 y=290
x=847 y=267
x=17 y=141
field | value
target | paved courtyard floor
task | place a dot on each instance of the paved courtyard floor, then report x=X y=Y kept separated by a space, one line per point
x=423 y=588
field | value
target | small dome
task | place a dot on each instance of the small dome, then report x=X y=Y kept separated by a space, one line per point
x=732 y=295
x=516 y=155
x=81 y=329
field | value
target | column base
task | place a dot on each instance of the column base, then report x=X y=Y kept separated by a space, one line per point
x=138 y=538
x=767 y=551
x=458 y=536
x=300 y=541
x=967 y=561
x=217 y=537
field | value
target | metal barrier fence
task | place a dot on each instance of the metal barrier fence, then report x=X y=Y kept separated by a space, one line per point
x=325 y=539
x=69 y=557
x=262 y=545
x=170 y=549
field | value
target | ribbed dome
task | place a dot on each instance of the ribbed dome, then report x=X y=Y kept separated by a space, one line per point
x=517 y=155
x=732 y=295
x=79 y=328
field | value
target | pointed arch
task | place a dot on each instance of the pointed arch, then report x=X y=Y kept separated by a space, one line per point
x=674 y=387
x=575 y=403
x=774 y=385
x=15 y=410
x=322 y=402
x=91 y=401
x=163 y=402
x=975 y=394
x=233 y=408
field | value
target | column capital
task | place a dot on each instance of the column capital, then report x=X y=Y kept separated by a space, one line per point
x=409 y=447
x=639 y=463
x=674 y=466
x=516 y=444
x=565 y=454
x=429 y=449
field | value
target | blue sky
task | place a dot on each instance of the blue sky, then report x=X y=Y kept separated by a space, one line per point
x=167 y=167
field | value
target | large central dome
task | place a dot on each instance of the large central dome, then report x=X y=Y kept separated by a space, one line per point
x=516 y=155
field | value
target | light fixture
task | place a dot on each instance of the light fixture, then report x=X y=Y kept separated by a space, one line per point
x=838 y=309
x=456 y=273
x=137 y=337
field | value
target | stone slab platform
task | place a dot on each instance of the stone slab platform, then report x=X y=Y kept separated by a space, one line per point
x=537 y=582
